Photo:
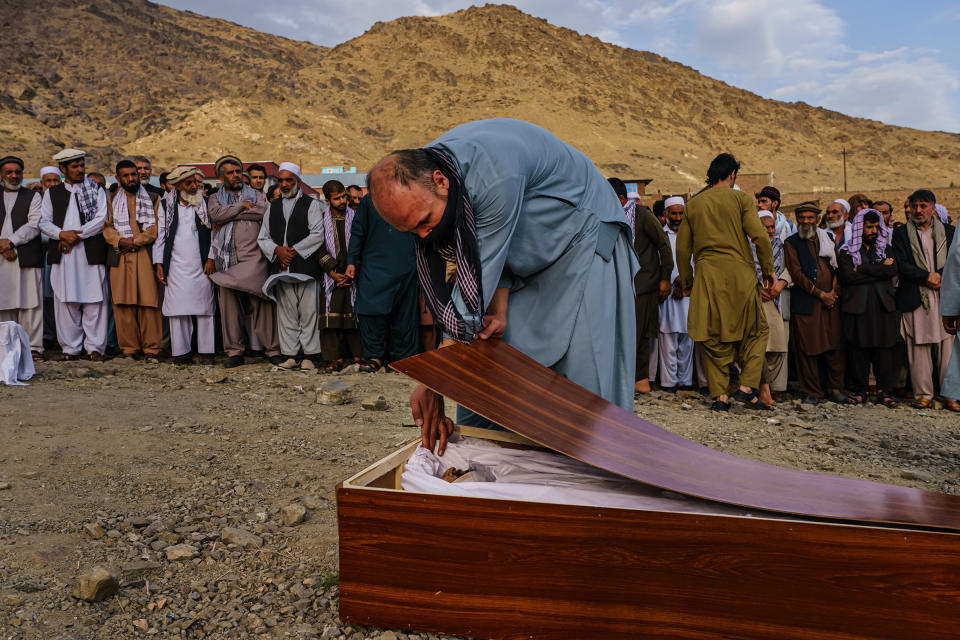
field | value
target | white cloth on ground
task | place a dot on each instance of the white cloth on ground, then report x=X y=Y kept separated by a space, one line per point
x=541 y=476
x=31 y=320
x=16 y=363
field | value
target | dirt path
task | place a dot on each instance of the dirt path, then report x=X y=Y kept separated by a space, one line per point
x=160 y=456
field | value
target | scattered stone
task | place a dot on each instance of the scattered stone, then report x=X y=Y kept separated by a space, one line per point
x=216 y=378
x=311 y=502
x=4 y=486
x=95 y=585
x=141 y=624
x=387 y=635
x=13 y=600
x=773 y=421
x=689 y=394
x=240 y=537
x=911 y=474
x=686 y=405
x=293 y=514
x=93 y=530
x=374 y=403
x=334 y=392
x=181 y=552
x=801 y=425
x=83 y=372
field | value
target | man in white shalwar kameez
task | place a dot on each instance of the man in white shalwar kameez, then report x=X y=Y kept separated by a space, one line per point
x=291 y=234
x=21 y=254
x=675 y=346
x=180 y=258
x=72 y=216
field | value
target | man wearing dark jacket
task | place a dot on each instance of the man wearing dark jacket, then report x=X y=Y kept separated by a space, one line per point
x=869 y=307
x=920 y=248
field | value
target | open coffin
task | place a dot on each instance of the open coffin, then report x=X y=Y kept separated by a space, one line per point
x=859 y=560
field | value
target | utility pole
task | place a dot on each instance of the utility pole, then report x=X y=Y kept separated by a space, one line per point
x=844 y=169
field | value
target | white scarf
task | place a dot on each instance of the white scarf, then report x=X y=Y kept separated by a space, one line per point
x=121 y=215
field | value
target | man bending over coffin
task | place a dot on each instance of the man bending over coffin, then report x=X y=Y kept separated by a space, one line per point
x=541 y=246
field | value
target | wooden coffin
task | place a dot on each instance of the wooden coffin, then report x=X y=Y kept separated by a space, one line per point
x=509 y=569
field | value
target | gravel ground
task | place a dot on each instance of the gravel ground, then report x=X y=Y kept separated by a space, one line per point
x=140 y=469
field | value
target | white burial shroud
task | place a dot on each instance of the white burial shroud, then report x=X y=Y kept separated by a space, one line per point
x=543 y=476
x=16 y=362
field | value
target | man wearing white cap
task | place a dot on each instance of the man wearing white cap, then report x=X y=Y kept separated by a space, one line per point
x=72 y=215
x=291 y=234
x=21 y=251
x=181 y=265
x=676 y=348
x=241 y=270
x=49 y=177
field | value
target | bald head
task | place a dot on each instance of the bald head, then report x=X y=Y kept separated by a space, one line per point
x=409 y=190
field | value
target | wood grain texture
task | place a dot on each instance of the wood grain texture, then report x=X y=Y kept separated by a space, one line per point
x=507 y=569
x=513 y=390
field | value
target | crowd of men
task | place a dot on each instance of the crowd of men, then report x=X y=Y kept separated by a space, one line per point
x=140 y=271
x=848 y=301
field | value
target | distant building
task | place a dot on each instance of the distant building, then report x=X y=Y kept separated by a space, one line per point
x=752 y=183
x=637 y=184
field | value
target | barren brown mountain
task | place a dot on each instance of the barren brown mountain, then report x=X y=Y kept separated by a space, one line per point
x=122 y=77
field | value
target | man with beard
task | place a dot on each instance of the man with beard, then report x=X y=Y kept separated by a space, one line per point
x=339 y=329
x=181 y=265
x=652 y=284
x=131 y=229
x=49 y=177
x=354 y=193
x=674 y=344
x=810 y=258
x=886 y=212
x=144 y=171
x=774 y=377
x=72 y=215
x=21 y=254
x=920 y=248
x=869 y=307
x=835 y=221
x=541 y=247
x=237 y=211
x=726 y=314
x=258 y=176
x=290 y=235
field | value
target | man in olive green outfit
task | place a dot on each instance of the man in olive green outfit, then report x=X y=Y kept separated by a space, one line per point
x=726 y=314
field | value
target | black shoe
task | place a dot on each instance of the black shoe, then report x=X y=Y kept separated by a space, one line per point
x=277 y=360
x=811 y=399
x=206 y=358
x=233 y=361
x=750 y=400
x=261 y=354
x=720 y=406
x=186 y=358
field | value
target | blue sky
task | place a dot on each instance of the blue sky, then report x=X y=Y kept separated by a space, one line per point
x=898 y=62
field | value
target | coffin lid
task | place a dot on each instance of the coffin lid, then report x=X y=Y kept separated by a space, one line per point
x=503 y=385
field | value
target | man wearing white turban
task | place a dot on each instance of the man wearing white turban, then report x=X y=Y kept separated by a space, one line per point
x=676 y=348
x=291 y=234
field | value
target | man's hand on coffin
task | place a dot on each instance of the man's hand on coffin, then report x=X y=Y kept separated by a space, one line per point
x=495 y=320
x=426 y=406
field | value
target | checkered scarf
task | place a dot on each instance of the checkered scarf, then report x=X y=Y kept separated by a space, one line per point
x=463 y=251
x=855 y=239
x=87 y=192
x=121 y=214
x=223 y=246
x=330 y=238
x=630 y=210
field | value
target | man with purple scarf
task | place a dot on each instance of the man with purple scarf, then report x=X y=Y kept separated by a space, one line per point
x=541 y=246
x=869 y=307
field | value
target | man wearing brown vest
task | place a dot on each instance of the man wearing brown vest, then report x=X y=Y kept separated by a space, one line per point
x=291 y=234
x=21 y=266
x=72 y=216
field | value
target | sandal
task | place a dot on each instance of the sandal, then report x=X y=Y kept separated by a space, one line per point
x=751 y=401
x=334 y=366
x=887 y=401
x=720 y=406
x=855 y=398
x=37 y=356
x=370 y=366
x=841 y=398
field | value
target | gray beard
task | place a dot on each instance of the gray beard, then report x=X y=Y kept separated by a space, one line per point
x=7 y=186
x=807 y=231
x=193 y=199
x=673 y=227
x=291 y=194
x=835 y=225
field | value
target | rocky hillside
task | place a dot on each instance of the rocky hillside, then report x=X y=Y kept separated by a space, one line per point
x=136 y=77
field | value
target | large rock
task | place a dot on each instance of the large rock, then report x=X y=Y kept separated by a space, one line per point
x=240 y=537
x=181 y=552
x=334 y=392
x=374 y=403
x=93 y=530
x=95 y=584
x=293 y=514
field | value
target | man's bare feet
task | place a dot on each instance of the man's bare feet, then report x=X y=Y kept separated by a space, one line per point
x=642 y=386
x=764 y=395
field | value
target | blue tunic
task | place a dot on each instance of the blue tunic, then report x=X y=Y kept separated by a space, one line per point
x=551 y=229
x=950 y=306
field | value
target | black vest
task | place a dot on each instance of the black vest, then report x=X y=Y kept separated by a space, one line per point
x=801 y=302
x=29 y=254
x=95 y=246
x=290 y=232
x=203 y=235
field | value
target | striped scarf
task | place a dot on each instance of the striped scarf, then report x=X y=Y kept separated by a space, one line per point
x=330 y=238
x=121 y=214
x=630 y=210
x=88 y=193
x=461 y=250
x=223 y=247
